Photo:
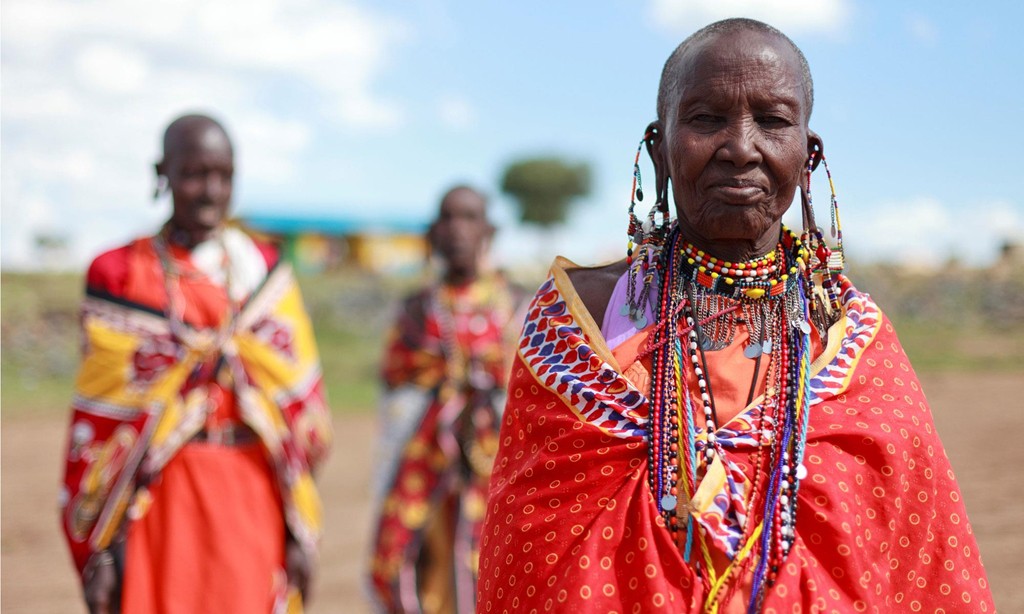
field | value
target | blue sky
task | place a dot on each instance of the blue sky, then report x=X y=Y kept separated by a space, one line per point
x=377 y=107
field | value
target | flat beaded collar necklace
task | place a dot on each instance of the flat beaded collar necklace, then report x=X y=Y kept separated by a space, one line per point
x=769 y=296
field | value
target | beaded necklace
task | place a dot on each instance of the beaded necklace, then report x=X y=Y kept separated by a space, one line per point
x=175 y=312
x=701 y=300
x=444 y=302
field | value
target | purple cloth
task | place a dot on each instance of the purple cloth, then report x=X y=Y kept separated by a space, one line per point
x=616 y=327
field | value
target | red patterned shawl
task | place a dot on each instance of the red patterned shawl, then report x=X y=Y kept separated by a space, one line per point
x=572 y=525
x=445 y=370
x=142 y=393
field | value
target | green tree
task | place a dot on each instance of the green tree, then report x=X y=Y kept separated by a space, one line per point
x=544 y=188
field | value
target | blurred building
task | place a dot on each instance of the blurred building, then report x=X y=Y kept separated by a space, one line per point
x=315 y=243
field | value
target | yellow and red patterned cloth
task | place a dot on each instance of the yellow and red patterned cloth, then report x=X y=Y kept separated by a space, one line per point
x=444 y=370
x=146 y=387
x=572 y=525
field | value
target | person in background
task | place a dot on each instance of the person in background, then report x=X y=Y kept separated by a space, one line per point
x=444 y=373
x=721 y=422
x=198 y=414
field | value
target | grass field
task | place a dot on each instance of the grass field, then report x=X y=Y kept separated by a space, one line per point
x=40 y=336
x=946 y=322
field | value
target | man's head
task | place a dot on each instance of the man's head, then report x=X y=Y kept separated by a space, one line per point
x=198 y=163
x=461 y=233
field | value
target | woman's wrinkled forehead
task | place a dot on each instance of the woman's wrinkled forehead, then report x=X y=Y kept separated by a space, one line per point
x=734 y=53
x=726 y=66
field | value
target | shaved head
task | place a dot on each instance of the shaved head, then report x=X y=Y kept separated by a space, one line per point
x=461 y=233
x=668 y=89
x=464 y=193
x=187 y=129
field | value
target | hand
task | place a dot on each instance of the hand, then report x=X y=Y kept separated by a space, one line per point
x=100 y=587
x=299 y=568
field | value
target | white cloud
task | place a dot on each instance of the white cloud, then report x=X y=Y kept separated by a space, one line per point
x=364 y=111
x=271 y=147
x=87 y=88
x=456 y=112
x=927 y=231
x=790 y=16
x=111 y=68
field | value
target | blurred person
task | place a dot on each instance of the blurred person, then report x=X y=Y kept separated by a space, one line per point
x=721 y=422
x=198 y=414
x=444 y=373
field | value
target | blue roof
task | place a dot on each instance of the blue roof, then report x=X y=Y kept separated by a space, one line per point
x=298 y=222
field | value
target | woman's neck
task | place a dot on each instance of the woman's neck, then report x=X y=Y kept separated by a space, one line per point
x=734 y=250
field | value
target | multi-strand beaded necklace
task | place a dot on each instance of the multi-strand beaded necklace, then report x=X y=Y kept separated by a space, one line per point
x=701 y=301
x=173 y=273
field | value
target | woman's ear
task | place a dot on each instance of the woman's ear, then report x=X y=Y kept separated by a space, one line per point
x=655 y=142
x=815 y=148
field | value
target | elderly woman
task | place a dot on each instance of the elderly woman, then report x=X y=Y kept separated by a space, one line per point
x=198 y=412
x=722 y=422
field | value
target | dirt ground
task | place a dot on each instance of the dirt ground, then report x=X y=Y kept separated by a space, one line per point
x=974 y=415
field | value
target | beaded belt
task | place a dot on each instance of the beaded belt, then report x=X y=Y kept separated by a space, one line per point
x=230 y=435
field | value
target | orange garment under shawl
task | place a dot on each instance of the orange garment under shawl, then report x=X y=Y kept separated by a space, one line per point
x=212 y=539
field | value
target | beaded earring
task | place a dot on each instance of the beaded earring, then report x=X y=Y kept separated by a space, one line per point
x=823 y=263
x=636 y=193
x=645 y=240
x=162 y=185
x=837 y=231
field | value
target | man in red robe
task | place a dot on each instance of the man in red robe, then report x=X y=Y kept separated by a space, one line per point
x=444 y=373
x=199 y=412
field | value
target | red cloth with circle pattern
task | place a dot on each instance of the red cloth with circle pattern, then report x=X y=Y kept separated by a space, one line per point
x=572 y=525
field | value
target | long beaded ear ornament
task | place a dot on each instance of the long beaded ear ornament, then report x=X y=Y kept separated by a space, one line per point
x=646 y=239
x=824 y=264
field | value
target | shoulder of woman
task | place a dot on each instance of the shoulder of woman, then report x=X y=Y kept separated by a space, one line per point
x=595 y=285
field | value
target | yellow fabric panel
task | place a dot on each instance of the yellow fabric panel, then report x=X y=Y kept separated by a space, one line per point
x=104 y=373
x=307 y=502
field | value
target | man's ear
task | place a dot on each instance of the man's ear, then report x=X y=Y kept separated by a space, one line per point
x=815 y=148
x=655 y=141
x=431 y=236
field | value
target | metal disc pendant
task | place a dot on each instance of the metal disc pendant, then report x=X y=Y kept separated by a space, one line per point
x=640 y=322
x=753 y=350
x=766 y=347
x=805 y=328
x=624 y=311
x=705 y=342
x=669 y=502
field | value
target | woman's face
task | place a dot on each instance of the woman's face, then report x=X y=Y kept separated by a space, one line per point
x=736 y=141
